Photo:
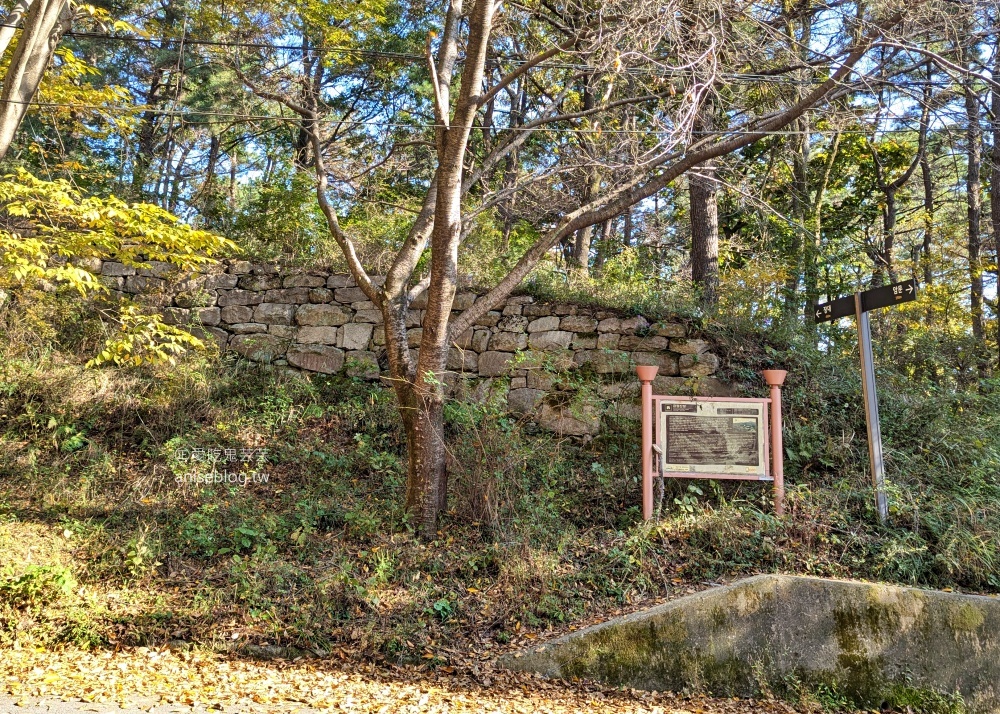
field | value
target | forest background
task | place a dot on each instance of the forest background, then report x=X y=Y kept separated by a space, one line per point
x=725 y=164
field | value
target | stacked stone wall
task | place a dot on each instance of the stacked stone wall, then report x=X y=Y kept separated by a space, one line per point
x=320 y=322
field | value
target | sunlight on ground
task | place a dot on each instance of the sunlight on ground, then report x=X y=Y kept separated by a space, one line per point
x=210 y=680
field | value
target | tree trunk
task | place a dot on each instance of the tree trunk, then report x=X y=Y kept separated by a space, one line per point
x=995 y=171
x=704 y=232
x=44 y=25
x=10 y=23
x=973 y=189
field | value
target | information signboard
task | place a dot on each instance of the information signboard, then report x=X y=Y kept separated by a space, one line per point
x=718 y=438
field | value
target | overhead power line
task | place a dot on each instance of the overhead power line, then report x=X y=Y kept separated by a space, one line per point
x=747 y=77
x=190 y=118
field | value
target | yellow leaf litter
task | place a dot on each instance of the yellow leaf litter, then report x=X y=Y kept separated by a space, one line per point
x=218 y=681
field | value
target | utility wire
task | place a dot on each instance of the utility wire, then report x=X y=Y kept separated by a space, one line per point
x=749 y=77
x=246 y=118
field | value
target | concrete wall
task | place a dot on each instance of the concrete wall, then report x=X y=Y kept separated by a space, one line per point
x=321 y=322
x=874 y=643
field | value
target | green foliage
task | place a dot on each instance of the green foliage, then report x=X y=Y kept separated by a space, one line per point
x=37 y=586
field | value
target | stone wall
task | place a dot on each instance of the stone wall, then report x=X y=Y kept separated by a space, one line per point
x=320 y=322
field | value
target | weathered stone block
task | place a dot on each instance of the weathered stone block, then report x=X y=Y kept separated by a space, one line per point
x=354 y=336
x=214 y=334
x=113 y=269
x=239 y=267
x=508 y=341
x=413 y=336
x=287 y=331
x=540 y=379
x=480 y=340
x=518 y=383
x=565 y=308
x=320 y=295
x=362 y=305
x=698 y=365
x=378 y=336
x=156 y=269
x=303 y=280
x=208 y=316
x=544 y=324
x=142 y=284
x=523 y=401
x=490 y=319
x=570 y=419
x=536 y=310
x=349 y=295
x=608 y=340
x=605 y=361
x=494 y=364
x=669 y=329
x=578 y=323
x=259 y=347
x=520 y=300
x=620 y=390
x=317 y=335
x=689 y=347
x=666 y=361
x=325 y=315
x=340 y=281
x=239 y=297
x=462 y=360
x=196 y=298
x=513 y=309
x=264 y=269
x=259 y=282
x=361 y=363
x=220 y=281
x=274 y=313
x=372 y=316
x=236 y=313
x=650 y=343
x=316 y=358
x=463 y=301
x=288 y=296
x=176 y=316
x=610 y=324
x=584 y=341
x=513 y=323
x=247 y=328
x=464 y=341
x=551 y=340
x=635 y=324
x=114 y=282
x=413 y=318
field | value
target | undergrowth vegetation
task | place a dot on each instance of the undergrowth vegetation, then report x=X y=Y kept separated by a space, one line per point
x=240 y=507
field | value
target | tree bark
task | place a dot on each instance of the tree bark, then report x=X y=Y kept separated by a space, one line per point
x=995 y=171
x=44 y=25
x=974 y=203
x=702 y=195
x=705 y=232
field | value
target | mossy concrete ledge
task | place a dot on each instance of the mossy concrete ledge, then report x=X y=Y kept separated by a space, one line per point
x=778 y=634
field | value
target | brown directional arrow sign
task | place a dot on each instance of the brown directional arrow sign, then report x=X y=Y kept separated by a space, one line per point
x=875 y=298
x=905 y=291
x=833 y=310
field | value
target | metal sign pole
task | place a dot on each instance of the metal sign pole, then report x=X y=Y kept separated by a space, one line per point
x=871 y=409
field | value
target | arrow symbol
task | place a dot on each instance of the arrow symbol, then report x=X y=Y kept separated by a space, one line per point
x=909 y=288
x=819 y=313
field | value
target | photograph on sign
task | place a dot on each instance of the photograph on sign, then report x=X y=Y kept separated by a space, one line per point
x=714 y=437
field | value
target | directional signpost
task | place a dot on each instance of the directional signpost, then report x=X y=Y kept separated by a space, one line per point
x=859 y=305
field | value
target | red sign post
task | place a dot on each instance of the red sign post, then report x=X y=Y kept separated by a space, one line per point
x=711 y=437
